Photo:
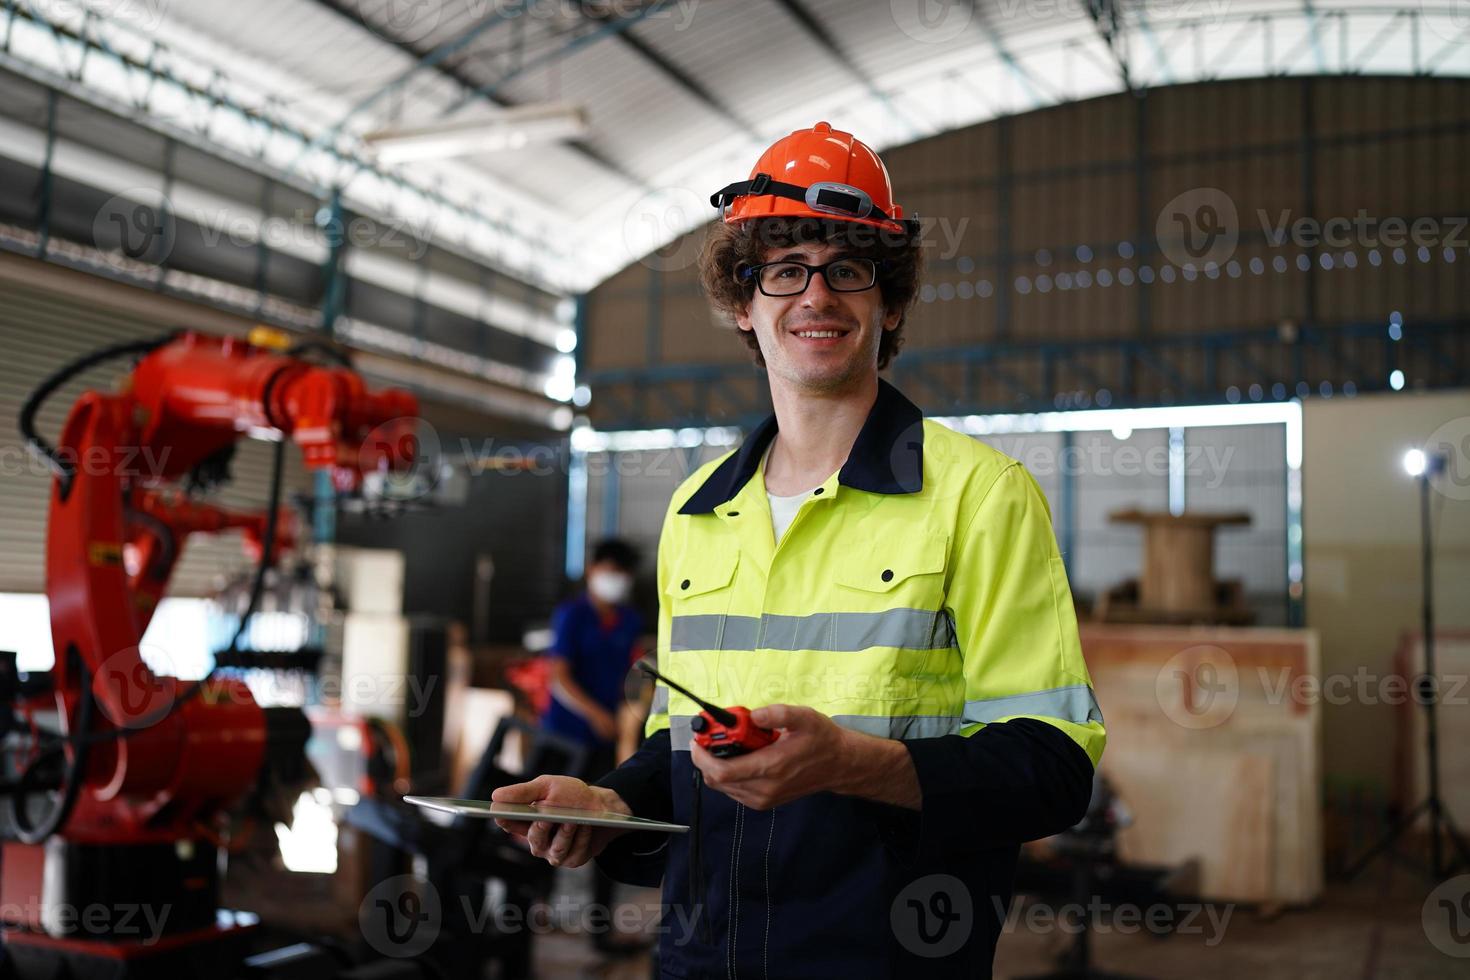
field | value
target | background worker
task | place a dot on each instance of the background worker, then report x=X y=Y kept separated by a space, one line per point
x=884 y=591
x=597 y=635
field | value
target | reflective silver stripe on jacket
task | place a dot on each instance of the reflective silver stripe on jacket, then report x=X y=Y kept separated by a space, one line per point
x=1075 y=703
x=837 y=632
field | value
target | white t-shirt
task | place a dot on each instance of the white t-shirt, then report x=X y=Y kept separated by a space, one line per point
x=783 y=509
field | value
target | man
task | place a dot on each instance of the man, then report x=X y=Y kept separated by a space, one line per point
x=883 y=591
x=596 y=637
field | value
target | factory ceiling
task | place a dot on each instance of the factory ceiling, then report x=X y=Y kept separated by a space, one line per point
x=566 y=138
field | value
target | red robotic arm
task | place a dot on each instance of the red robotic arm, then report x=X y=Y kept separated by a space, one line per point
x=163 y=757
x=159 y=522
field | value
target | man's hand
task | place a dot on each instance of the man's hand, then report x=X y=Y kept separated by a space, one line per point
x=814 y=754
x=562 y=845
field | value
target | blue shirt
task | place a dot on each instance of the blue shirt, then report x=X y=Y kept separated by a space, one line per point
x=599 y=656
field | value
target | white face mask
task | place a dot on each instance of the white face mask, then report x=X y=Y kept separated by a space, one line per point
x=610 y=587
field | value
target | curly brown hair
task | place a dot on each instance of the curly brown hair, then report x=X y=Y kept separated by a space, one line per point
x=729 y=247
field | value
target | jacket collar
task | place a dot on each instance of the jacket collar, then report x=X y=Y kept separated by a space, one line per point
x=886 y=457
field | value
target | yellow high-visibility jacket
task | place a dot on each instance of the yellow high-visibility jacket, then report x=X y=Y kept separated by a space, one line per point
x=918 y=595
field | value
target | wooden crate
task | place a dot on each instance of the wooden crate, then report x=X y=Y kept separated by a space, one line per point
x=1214 y=744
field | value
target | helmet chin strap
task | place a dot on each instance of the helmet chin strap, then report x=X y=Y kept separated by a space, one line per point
x=763 y=184
x=760 y=184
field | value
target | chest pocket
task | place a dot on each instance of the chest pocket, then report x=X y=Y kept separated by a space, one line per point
x=906 y=573
x=899 y=588
x=699 y=592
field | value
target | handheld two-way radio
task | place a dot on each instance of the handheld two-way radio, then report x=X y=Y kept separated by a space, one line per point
x=722 y=732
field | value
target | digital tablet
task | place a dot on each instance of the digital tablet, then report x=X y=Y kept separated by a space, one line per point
x=541 y=812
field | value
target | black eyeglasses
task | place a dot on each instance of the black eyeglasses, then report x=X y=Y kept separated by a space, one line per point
x=847 y=275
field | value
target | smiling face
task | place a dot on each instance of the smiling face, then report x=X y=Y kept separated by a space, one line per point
x=819 y=340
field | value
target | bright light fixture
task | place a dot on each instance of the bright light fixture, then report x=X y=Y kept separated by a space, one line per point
x=1414 y=462
x=510 y=129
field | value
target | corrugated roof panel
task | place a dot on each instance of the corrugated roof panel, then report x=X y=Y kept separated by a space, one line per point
x=639 y=117
x=899 y=35
x=749 y=54
x=319 y=47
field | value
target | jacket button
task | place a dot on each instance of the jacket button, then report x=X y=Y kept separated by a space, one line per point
x=733 y=513
x=684 y=584
x=817 y=492
x=888 y=575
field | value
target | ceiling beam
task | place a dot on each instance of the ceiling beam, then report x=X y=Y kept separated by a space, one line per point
x=823 y=38
x=1105 y=17
x=600 y=31
x=686 y=82
x=1040 y=93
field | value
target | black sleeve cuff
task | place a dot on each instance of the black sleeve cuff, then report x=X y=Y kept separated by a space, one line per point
x=1009 y=782
x=643 y=782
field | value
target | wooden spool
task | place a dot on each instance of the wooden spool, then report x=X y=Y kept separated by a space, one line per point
x=1179 y=558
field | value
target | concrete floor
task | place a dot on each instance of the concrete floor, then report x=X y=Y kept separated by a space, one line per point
x=1370 y=929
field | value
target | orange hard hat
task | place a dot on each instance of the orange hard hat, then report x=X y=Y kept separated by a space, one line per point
x=816 y=173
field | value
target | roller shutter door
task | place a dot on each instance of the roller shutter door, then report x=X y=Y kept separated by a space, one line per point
x=42 y=330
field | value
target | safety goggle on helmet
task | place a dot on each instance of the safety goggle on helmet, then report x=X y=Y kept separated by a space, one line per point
x=817 y=173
